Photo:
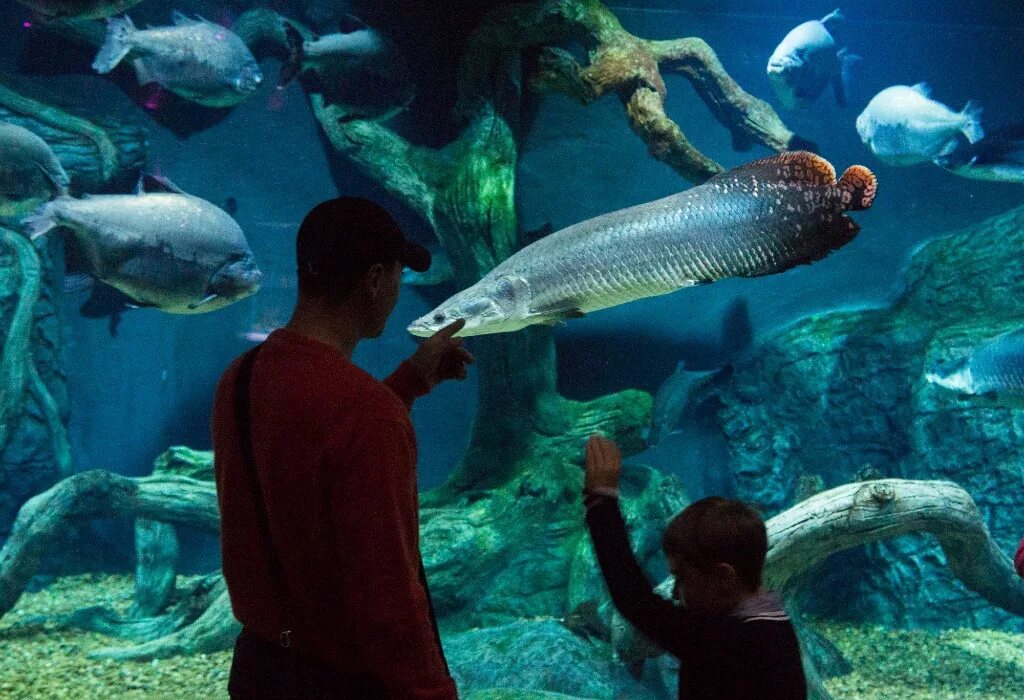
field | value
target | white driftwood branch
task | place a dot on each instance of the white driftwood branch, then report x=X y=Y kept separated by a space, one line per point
x=863 y=512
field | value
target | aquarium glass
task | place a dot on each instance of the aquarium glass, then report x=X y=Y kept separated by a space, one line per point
x=841 y=350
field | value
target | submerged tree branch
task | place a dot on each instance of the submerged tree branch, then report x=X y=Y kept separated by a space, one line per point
x=17 y=353
x=95 y=494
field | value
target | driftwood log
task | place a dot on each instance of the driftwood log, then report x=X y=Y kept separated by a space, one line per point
x=863 y=512
x=95 y=154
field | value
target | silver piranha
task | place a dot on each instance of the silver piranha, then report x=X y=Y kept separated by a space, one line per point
x=30 y=173
x=166 y=250
x=807 y=61
x=994 y=369
x=758 y=219
x=902 y=125
x=198 y=60
x=357 y=68
x=998 y=157
x=79 y=9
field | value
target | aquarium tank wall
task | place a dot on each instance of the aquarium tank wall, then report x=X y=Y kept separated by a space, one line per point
x=823 y=320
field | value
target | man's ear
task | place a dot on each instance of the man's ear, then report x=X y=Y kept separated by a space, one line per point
x=374 y=279
x=726 y=575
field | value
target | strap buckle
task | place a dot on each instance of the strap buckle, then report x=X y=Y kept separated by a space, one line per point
x=285 y=639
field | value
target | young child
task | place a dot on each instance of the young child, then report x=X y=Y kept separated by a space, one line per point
x=733 y=640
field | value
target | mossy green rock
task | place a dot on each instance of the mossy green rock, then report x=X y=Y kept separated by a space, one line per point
x=842 y=396
x=536 y=656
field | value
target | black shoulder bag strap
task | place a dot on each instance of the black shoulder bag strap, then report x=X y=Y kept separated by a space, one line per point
x=243 y=419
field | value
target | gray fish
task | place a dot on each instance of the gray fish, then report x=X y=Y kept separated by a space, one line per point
x=357 y=67
x=758 y=219
x=198 y=60
x=998 y=157
x=995 y=369
x=903 y=125
x=79 y=9
x=672 y=400
x=807 y=61
x=166 y=250
x=30 y=173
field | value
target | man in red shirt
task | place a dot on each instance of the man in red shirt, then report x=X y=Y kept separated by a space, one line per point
x=315 y=463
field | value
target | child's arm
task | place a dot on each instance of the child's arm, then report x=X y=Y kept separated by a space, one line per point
x=631 y=591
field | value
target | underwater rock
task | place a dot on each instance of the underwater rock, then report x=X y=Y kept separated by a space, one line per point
x=843 y=395
x=537 y=655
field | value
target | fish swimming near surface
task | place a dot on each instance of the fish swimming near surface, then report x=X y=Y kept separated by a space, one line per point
x=195 y=59
x=759 y=219
x=902 y=125
x=79 y=9
x=166 y=250
x=30 y=173
x=357 y=67
x=994 y=369
x=807 y=61
x=998 y=157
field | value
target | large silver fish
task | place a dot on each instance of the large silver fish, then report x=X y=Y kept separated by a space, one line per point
x=80 y=9
x=167 y=250
x=995 y=369
x=758 y=219
x=902 y=125
x=807 y=61
x=198 y=60
x=30 y=173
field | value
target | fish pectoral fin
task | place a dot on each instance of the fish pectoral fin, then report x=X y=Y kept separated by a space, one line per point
x=207 y=300
x=350 y=23
x=553 y=318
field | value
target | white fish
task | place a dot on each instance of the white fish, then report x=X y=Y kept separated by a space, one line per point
x=198 y=60
x=902 y=125
x=166 y=250
x=999 y=157
x=807 y=61
x=994 y=368
x=356 y=67
x=30 y=173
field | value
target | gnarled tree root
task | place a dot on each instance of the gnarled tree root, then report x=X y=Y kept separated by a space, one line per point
x=96 y=494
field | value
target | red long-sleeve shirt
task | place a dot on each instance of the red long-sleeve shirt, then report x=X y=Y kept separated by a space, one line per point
x=336 y=455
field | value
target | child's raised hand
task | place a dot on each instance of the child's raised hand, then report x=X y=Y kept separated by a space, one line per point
x=603 y=463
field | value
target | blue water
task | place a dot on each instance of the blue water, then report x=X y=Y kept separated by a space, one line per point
x=133 y=395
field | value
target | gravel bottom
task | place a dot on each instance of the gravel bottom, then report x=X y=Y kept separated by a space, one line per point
x=949 y=665
x=42 y=661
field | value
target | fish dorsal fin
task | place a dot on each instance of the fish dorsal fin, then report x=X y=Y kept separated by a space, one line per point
x=793 y=166
x=922 y=89
x=350 y=23
x=148 y=182
x=180 y=19
x=833 y=16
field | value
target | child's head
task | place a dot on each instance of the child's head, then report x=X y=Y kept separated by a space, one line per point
x=716 y=550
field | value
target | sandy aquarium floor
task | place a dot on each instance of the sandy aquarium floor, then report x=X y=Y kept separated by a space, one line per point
x=39 y=661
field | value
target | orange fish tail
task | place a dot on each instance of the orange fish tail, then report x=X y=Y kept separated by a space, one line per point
x=858 y=186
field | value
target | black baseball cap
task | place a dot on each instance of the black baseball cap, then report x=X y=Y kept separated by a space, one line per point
x=342 y=238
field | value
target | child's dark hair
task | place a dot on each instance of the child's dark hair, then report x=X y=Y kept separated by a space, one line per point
x=718 y=530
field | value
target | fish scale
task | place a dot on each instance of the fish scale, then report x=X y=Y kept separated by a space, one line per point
x=759 y=219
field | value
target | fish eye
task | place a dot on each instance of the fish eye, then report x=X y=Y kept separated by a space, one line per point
x=438 y=318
